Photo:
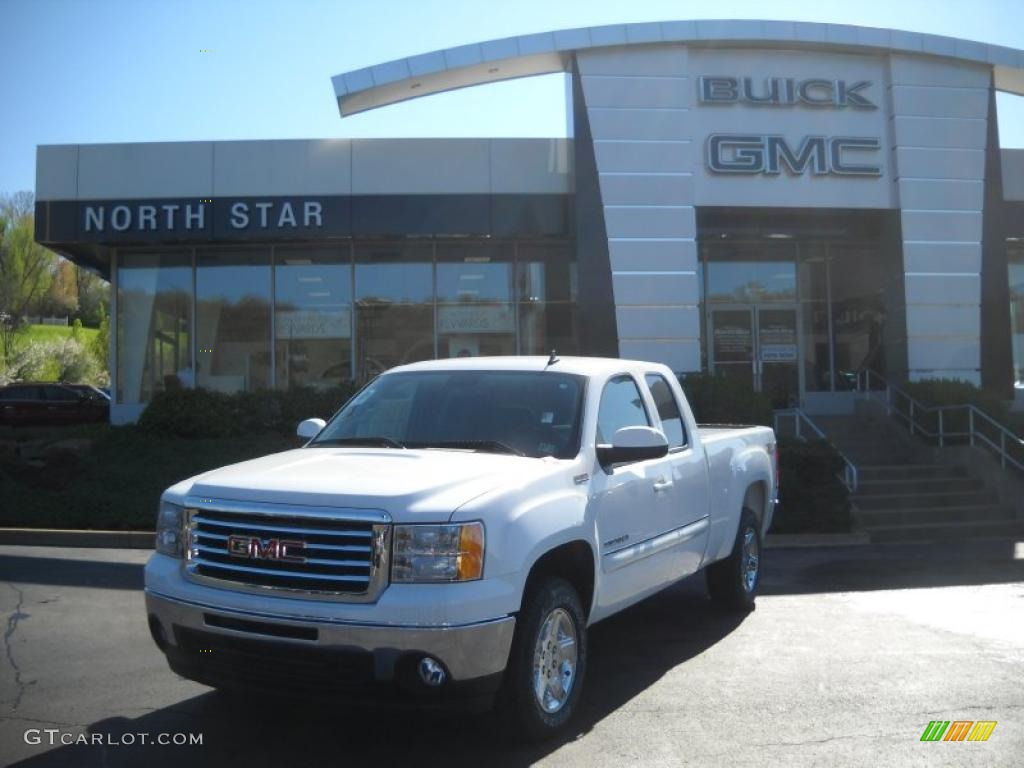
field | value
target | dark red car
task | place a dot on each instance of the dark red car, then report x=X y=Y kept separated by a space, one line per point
x=48 y=403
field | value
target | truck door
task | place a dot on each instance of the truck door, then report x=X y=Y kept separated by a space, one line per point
x=683 y=503
x=625 y=498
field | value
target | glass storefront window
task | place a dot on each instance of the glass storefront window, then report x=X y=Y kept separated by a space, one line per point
x=751 y=281
x=154 y=324
x=545 y=291
x=475 y=315
x=1016 y=275
x=858 y=313
x=339 y=311
x=313 y=317
x=843 y=315
x=233 y=319
x=394 y=291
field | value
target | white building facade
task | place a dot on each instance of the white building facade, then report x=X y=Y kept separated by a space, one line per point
x=783 y=202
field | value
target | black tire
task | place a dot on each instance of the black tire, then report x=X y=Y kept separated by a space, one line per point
x=727 y=579
x=520 y=703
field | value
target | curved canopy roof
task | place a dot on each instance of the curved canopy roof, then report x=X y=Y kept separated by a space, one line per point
x=548 y=52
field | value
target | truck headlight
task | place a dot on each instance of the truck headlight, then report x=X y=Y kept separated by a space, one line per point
x=169 y=524
x=437 y=553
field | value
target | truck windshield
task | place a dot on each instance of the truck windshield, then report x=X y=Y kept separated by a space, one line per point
x=528 y=413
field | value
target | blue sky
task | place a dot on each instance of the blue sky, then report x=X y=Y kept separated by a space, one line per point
x=81 y=71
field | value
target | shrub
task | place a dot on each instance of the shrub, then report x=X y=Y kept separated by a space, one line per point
x=720 y=399
x=944 y=392
x=934 y=392
x=811 y=497
x=203 y=413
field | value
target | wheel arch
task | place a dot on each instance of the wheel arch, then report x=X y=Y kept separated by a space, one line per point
x=573 y=561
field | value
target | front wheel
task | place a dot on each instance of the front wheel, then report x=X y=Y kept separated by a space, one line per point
x=733 y=582
x=548 y=660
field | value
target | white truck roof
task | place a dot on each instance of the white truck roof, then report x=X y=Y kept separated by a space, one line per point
x=585 y=366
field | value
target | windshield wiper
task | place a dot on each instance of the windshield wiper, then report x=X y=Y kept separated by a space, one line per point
x=384 y=442
x=493 y=446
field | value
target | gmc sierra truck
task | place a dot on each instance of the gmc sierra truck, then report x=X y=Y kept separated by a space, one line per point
x=452 y=533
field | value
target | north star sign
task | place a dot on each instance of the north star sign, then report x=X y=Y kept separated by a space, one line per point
x=189 y=216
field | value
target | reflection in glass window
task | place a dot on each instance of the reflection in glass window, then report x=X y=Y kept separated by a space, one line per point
x=1016 y=275
x=233 y=318
x=394 y=292
x=621 y=406
x=546 y=294
x=154 y=324
x=475 y=315
x=751 y=281
x=313 y=317
x=668 y=410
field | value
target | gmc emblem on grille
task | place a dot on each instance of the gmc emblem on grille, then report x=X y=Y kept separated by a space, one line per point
x=255 y=548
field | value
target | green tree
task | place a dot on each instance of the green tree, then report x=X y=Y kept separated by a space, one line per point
x=26 y=268
x=101 y=344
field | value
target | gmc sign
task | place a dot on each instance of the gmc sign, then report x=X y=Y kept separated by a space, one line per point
x=768 y=155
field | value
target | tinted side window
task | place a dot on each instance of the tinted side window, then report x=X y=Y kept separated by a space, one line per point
x=20 y=393
x=668 y=410
x=621 y=406
x=62 y=394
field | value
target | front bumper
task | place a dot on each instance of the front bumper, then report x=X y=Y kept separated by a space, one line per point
x=259 y=650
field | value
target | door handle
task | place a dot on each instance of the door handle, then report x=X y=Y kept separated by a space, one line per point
x=661 y=484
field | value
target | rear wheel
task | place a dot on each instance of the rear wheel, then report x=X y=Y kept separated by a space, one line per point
x=733 y=582
x=548 y=660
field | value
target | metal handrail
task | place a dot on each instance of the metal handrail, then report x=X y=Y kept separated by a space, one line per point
x=850 y=476
x=892 y=395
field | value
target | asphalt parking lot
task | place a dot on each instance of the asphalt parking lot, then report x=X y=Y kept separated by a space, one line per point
x=849 y=655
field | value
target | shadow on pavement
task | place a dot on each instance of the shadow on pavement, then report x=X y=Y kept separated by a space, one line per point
x=628 y=654
x=890 y=566
x=99 y=574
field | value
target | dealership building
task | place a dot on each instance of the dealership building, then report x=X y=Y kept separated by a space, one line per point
x=790 y=203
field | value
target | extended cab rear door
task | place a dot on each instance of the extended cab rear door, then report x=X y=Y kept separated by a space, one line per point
x=684 y=503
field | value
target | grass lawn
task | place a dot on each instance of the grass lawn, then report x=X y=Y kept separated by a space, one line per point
x=52 y=332
x=115 y=483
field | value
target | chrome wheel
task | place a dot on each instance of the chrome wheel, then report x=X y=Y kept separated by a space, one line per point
x=554 y=661
x=749 y=560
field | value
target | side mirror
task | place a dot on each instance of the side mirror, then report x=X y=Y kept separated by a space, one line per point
x=310 y=428
x=631 y=444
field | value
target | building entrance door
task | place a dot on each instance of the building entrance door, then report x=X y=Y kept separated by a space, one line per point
x=758 y=343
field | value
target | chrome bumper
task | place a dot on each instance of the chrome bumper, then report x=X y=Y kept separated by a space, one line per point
x=468 y=651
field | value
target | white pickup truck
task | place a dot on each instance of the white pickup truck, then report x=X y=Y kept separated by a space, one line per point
x=453 y=531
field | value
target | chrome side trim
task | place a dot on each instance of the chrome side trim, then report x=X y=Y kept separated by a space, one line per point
x=620 y=558
x=288 y=510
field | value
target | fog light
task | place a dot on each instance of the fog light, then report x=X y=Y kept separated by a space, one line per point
x=431 y=672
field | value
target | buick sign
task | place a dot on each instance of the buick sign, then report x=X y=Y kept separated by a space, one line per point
x=769 y=155
x=784 y=92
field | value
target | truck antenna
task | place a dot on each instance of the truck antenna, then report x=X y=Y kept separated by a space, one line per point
x=551 y=360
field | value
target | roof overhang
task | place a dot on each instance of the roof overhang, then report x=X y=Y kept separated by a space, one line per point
x=552 y=52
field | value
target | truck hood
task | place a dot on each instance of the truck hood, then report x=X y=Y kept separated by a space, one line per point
x=408 y=484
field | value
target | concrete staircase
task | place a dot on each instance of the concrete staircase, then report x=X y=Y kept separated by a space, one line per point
x=906 y=493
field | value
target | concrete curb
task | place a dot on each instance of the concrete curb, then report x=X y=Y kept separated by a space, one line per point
x=59 y=537
x=780 y=540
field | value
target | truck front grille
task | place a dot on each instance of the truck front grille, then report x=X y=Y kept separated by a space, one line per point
x=317 y=554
